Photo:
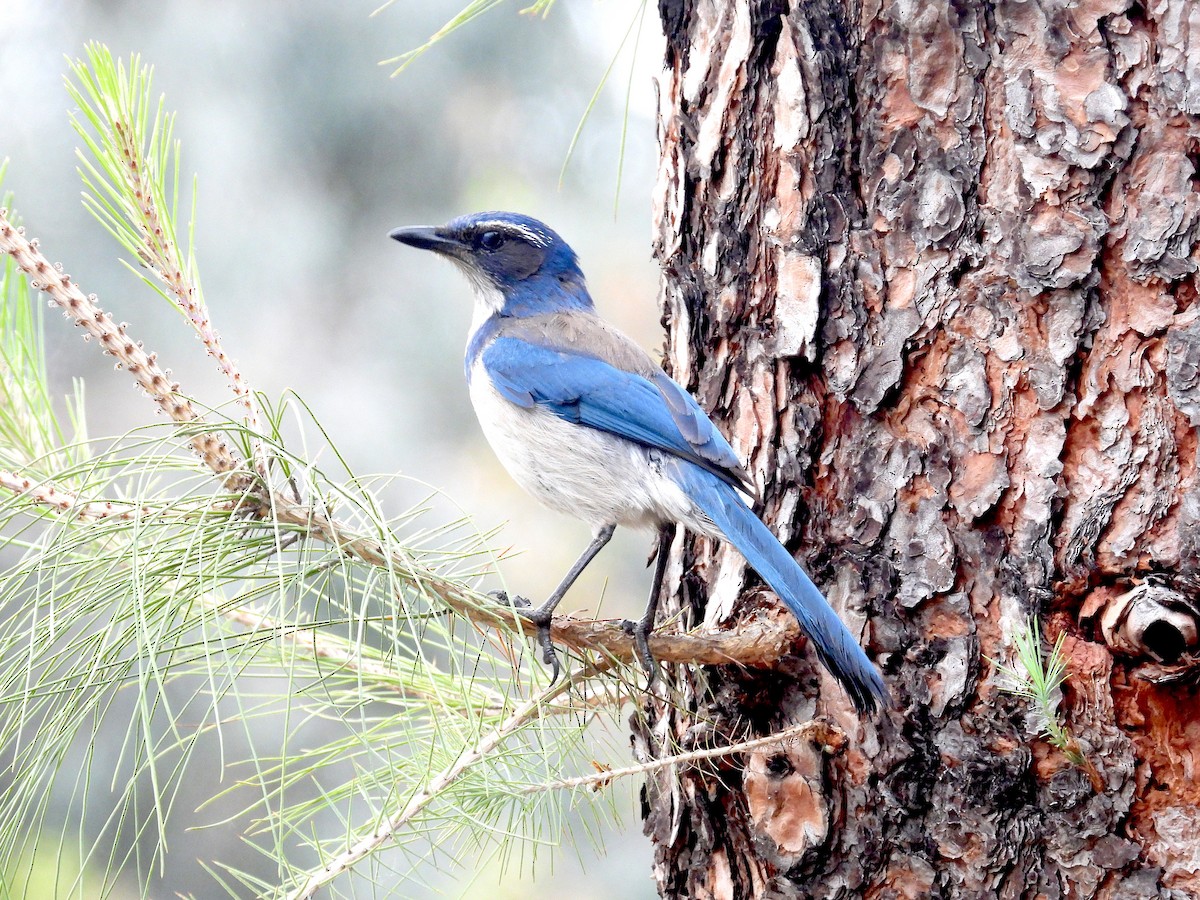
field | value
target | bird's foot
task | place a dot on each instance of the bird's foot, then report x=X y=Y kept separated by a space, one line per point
x=541 y=617
x=640 y=631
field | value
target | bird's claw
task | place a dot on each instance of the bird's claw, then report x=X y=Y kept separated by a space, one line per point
x=640 y=632
x=549 y=657
x=540 y=617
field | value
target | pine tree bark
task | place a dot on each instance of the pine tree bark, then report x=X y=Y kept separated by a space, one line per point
x=933 y=267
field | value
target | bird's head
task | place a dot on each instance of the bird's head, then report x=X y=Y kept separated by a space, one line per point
x=517 y=265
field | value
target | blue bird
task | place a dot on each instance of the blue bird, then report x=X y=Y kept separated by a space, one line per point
x=590 y=425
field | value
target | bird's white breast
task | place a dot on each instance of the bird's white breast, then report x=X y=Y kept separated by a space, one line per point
x=589 y=474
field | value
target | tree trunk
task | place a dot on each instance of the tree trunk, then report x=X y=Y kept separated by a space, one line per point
x=932 y=266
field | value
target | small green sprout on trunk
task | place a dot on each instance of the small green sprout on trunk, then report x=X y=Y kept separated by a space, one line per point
x=1039 y=679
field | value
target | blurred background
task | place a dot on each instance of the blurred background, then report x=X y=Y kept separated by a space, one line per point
x=307 y=153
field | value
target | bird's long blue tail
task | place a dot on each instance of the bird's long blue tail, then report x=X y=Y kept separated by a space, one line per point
x=838 y=649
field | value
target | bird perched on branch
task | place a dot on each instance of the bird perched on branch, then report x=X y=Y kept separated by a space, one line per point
x=590 y=425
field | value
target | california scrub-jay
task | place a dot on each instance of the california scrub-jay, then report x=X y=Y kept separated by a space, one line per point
x=590 y=425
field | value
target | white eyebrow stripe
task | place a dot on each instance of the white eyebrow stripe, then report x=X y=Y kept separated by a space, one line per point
x=534 y=237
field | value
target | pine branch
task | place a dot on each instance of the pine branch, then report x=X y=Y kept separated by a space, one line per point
x=344 y=657
x=439 y=783
x=305 y=638
x=115 y=341
x=127 y=181
x=65 y=502
x=1039 y=679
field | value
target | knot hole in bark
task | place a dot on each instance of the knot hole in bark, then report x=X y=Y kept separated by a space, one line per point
x=1151 y=620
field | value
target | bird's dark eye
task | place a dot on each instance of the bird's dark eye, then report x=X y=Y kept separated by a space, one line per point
x=490 y=240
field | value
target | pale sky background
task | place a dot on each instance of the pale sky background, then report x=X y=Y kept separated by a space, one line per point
x=307 y=154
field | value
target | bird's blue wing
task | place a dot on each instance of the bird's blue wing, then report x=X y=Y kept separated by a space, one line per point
x=586 y=390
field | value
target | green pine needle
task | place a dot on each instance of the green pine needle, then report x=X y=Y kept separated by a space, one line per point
x=1038 y=680
x=467 y=14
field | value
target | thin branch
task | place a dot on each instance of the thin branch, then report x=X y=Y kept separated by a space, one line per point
x=64 y=502
x=471 y=756
x=86 y=312
x=47 y=494
x=817 y=732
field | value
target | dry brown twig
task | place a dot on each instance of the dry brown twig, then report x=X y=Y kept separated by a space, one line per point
x=817 y=732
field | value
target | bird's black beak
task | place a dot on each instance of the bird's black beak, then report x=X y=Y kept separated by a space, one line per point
x=424 y=237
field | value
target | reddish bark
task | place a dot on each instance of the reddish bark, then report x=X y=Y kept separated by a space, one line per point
x=934 y=267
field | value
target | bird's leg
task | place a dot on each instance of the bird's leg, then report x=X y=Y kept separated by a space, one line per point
x=642 y=628
x=542 y=616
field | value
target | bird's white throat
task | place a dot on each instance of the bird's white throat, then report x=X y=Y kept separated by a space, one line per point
x=488 y=302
